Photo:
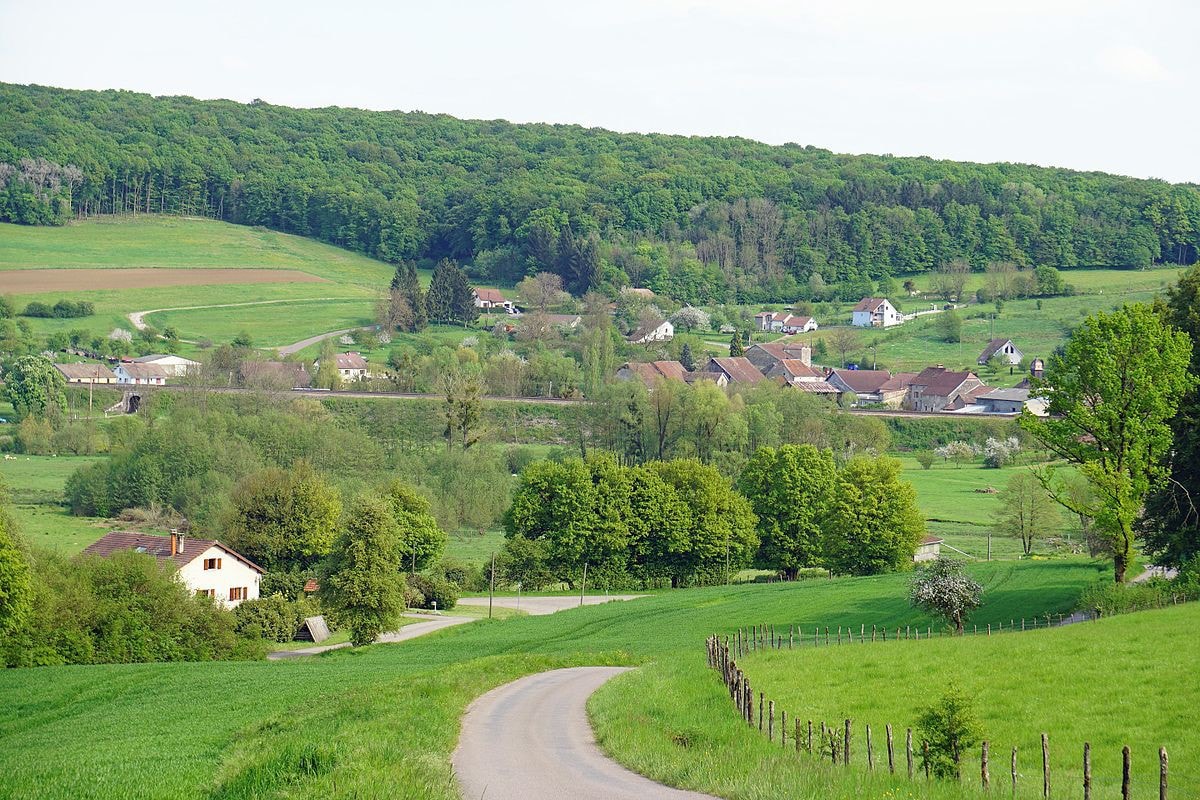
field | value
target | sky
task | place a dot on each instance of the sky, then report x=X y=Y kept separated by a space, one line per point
x=1086 y=84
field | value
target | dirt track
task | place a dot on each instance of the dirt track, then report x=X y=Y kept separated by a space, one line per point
x=29 y=281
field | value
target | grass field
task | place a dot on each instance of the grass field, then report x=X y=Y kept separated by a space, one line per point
x=270 y=325
x=350 y=722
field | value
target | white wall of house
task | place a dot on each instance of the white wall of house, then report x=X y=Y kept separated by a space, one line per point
x=125 y=377
x=885 y=316
x=178 y=365
x=232 y=574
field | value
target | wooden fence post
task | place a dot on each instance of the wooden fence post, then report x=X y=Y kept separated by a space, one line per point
x=925 y=757
x=908 y=751
x=1045 y=765
x=810 y=746
x=1125 y=772
x=798 y=740
x=1087 y=771
x=782 y=728
x=1014 y=770
x=846 y=744
x=760 y=711
x=870 y=754
x=891 y=750
x=984 y=777
x=770 y=720
x=1162 y=773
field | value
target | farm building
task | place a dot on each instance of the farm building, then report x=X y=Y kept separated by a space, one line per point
x=767 y=355
x=653 y=372
x=86 y=373
x=178 y=366
x=134 y=374
x=350 y=366
x=205 y=566
x=873 y=387
x=735 y=369
x=489 y=299
x=1003 y=348
x=930 y=549
x=274 y=375
x=783 y=322
x=652 y=331
x=875 y=312
x=1011 y=401
x=940 y=389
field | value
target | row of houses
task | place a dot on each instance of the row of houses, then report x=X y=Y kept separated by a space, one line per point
x=151 y=370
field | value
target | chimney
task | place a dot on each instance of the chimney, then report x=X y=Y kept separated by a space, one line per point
x=176 y=542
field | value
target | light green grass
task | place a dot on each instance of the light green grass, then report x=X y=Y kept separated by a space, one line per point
x=36 y=486
x=473 y=547
x=269 y=325
x=388 y=715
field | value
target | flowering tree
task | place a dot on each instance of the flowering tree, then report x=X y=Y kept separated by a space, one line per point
x=957 y=452
x=944 y=588
x=999 y=452
x=690 y=319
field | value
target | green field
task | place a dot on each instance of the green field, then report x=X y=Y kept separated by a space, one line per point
x=349 y=722
x=270 y=325
x=36 y=486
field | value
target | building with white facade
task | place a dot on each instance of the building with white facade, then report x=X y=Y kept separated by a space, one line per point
x=875 y=312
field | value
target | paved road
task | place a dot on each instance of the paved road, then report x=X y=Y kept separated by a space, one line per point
x=138 y=318
x=530 y=740
x=545 y=605
x=289 y=349
x=428 y=624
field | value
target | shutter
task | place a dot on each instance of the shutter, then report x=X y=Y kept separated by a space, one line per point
x=218 y=563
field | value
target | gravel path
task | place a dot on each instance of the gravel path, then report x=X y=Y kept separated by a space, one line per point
x=531 y=740
x=428 y=624
x=538 y=606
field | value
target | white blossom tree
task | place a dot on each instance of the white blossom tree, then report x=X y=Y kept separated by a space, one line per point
x=944 y=588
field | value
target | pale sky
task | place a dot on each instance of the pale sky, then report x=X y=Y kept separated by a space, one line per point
x=1087 y=84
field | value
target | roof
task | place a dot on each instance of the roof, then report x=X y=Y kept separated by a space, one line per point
x=639 y=292
x=795 y=368
x=787 y=347
x=146 y=371
x=739 y=369
x=311 y=585
x=815 y=387
x=1010 y=395
x=81 y=371
x=940 y=381
x=350 y=361
x=864 y=381
x=563 y=319
x=153 y=357
x=286 y=371
x=900 y=380
x=993 y=347
x=490 y=295
x=870 y=304
x=931 y=540
x=159 y=547
x=645 y=329
x=657 y=370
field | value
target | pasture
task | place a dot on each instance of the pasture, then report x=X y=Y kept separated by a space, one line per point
x=346 y=723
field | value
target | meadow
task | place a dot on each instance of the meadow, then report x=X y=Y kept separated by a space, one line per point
x=350 y=722
x=35 y=484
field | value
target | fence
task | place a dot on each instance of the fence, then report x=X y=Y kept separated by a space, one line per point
x=835 y=742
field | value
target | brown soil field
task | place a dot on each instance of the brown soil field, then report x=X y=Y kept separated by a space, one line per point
x=30 y=281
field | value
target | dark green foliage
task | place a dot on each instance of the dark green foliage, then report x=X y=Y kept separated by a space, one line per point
x=421 y=540
x=516 y=199
x=735 y=345
x=792 y=492
x=34 y=386
x=63 y=309
x=949 y=326
x=271 y=617
x=875 y=525
x=434 y=589
x=15 y=590
x=362 y=587
x=288 y=584
x=950 y=728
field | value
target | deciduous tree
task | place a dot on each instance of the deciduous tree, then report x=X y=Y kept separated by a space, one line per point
x=34 y=387
x=1026 y=510
x=792 y=491
x=875 y=525
x=363 y=588
x=943 y=587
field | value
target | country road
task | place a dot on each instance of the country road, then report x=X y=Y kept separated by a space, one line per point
x=428 y=624
x=138 y=318
x=546 y=605
x=531 y=740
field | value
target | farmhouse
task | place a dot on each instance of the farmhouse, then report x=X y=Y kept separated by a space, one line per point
x=488 y=299
x=86 y=373
x=653 y=372
x=930 y=549
x=652 y=331
x=134 y=374
x=275 y=375
x=764 y=356
x=177 y=365
x=872 y=387
x=794 y=370
x=567 y=322
x=350 y=366
x=1011 y=401
x=875 y=312
x=205 y=566
x=937 y=389
x=782 y=322
x=735 y=369
x=1003 y=348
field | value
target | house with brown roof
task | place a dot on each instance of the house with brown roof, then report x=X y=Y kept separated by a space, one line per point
x=938 y=389
x=86 y=373
x=274 y=375
x=350 y=366
x=768 y=354
x=490 y=299
x=1005 y=349
x=875 y=312
x=736 y=369
x=204 y=566
x=134 y=374
x=652 y=372
x=783 y=322
x=794 y=370
x=654 y=330
x=930 y=549
x=872 y=387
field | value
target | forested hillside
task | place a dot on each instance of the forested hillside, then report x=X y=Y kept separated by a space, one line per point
x=699 y=219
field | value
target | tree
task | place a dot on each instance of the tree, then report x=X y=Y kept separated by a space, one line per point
x=1048 y=280
x=284 y=519
x=421 y=540
x=943 y=587
x=791 y=491
x=949 y=326
x=34 y=387
x=842 y=340
x=1112 y=392
x=875 y=525
x=735 y=345
x=462 y=297
x=407 y=306
x=951 y=279
x=463 y=407
x=686 y=358
x=363 y=588
x=949 y=729
x=327 y=376
x=1170 y=524
x=1026 y=510
x=541 y=292
x=16 y=594
x=690 y=319
x=957 y=451
x=440 y=299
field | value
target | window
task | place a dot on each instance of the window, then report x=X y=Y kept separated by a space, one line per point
x=237 y=593
x=212 y=563
x=206 y=592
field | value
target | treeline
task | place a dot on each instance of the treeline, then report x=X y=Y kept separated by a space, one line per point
x=701 y=219
x=681 y=522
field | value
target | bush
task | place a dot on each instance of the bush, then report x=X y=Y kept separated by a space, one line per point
x=467 y=577
x=288 y=584
x=949 y=728
x=412 y=596
x=435 y=591
x=925 y=458
x=272 y=618
x=1106 y=598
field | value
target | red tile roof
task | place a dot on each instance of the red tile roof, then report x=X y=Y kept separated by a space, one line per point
x=795 y=368
x=738 y=369
x=864 y=381
x=350 y=361
x=870 y=304
x=159 y=547
x=490 y=296
x=940 y=381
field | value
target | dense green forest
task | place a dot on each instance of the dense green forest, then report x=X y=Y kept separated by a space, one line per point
x=702 y=219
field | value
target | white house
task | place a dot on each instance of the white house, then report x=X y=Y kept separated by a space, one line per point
x=86 y=373
x=653 y=331
x=1005 y=349
x=134 y=374
x=930 y=549
x=489 y=299
x=178 y=366
x=350 y=366
x=875 y=312
x=204 y=566
x=782 y=322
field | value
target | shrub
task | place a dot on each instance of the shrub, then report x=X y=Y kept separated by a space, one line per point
x=949 y=729
x=925 y=458
x=288 y=584
x=412 y=596
x=36 y=309
x=434 y=590
x=1000 y=452
x=272 y=618
x=1106 y=598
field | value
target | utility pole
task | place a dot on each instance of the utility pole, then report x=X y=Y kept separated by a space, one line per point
x=583 y=586
x=492 y=585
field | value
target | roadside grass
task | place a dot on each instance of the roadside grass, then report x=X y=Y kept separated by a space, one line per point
x=350 y=721
x=474 y=547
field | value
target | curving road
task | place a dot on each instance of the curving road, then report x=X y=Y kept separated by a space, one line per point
x=537 y=606
x=428 y=624
x=531 y=740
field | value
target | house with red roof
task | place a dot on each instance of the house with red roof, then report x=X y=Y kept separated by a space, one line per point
x=491 y=299
x=783 y=322
x=735 y=369
x=875 y=312
x=940 y=389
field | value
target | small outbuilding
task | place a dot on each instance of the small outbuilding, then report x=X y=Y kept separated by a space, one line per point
x=930 y=549
x=313 y=629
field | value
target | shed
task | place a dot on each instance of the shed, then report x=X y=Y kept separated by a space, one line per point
x=313 y=629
